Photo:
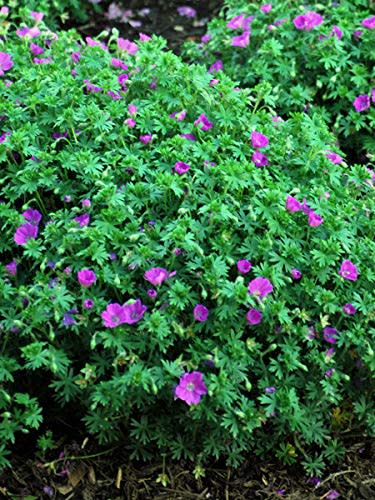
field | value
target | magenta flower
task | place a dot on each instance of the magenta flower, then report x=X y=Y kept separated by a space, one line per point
x=254 y=317
x=130 y=122
x=308 y=21
x=181 y=167
x=156 y=275
x=200 y=312
x=260 y=287
x=244 y=266
x=144 y=38
x=206 y=124
x=186 y=11
x=32 y=216
x=315 y=219
x=361 y=103
x=35 y=49
x=266 y=8
x=152 y=293
x=206 y=38
x=349 y=309
x=369 y=22
x=259 y=140
x=189 y=137
x=91 y=87
x=117 y=63
x=133 y=312
x=259 y=159
x=216 y=66
x=336 y=31
x=332 y=494
x=88 y=304
x=11 y=268
x=270 y=390
x=373 y=95
x=42 y=60
x=330 y=335
x=348 y=271
x=28 y=32
x=38 y=16
x=145 y=138
x=241 y=40
x=94 y=43
x=83 y=219
x=6 y=62
x=128 y=46
x=240 y=22
x=76 y=56
x=86 y=202
x=25 y=233
x=86 y=277
x=132 y=108
x=113 y=316
x=296 y=274
x=191 y=388
x=334 y=157
x=292 y=204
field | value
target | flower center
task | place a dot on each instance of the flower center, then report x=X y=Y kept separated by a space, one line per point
x=115 y=318
x=190 y=386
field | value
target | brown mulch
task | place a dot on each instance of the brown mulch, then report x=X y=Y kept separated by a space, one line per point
x=111 y=476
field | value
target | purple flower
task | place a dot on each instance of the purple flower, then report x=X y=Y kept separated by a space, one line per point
x=128 y=46
x=348 y=271
x=330 y=352
x=86 y=277
x=86 y=202
x=373 y=95
x=11 y=268
x=32 y=216
x=35 y=49
x=122 y=79
x=270 y=390
x=292 y=205
x=144 y=38
x=94 y=43
x=315 y=219
x=113 y=316
x=68 y=318
x=117 y=63
x=206 y=38
x=24 y=233
x=369 y=22
x=132 y=108
x=259 y=159
x=206 y=124
x=189 y=137
x=362 y=102
x=332 y=494
x=254 y=317
x=240 y=22
x=349 y=309
x=133 y=312
x=308 y=21
x=90 y=87
x=260 y=287
x=336 y=31
x=266 y=8
x=152 y=293
x=145 y=138
x=38 y=16
x=241 y=40
x=357 y=34
x=130 y=122
x=186 y=11
x=181 y=167
x=83 y=219
x=42 y=60
x=296 y=274
x=244 y=266
x=259 y=140
x=330 y=335
x=67 y=198
x=28 y=32
x=329 y=374
x=334 y=157
x=216 y=66
x=157 y=275
x=76 y=56
x=200 y=312
x=6 y=62
x=191 y=388
x=88 y=304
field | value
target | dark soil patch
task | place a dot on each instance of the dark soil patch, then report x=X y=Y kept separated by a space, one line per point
x=159 y=17
x=79 y=474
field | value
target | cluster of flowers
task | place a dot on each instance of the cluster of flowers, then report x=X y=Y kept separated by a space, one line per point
x=259 y=141
x=28 y=230
x=293 y=205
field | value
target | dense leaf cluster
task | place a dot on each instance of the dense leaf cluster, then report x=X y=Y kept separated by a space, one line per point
x=272 y=387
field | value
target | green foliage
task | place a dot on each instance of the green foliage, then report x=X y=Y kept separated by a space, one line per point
x=62 y=143
x=304 y=69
